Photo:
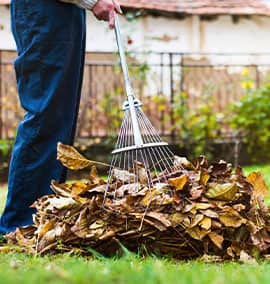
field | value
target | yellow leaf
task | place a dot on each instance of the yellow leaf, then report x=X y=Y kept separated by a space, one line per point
x=231 y=218
x=71 y=158
x=259 y=186
x=94 y=178
x=196 y=233
x=178 y=182
x=177 y=218
x=159 y=195
x=96 y=225
x=205 y=223
x=216 y=239
x=221 y=191
x=78 y=188
x=44 y=228
x=210 y=213
x=198 y=218
x=202 y=206
x=204 y=177
x=61 y=189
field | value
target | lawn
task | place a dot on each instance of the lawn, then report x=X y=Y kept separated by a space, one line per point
x=21 y=268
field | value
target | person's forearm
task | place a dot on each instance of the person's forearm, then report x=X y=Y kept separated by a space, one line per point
x=87 y=4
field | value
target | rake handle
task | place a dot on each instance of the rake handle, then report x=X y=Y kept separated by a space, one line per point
x=129 y=91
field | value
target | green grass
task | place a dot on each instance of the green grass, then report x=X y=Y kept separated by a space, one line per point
x=21 y=268
x=18 y=268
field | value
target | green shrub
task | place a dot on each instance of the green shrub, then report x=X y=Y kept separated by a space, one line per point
x=251 y=117
x=196 y=127
x=5 y=146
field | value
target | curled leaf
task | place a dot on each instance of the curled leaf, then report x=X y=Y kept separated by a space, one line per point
x=231 y=218
x=71 y=158
x=221 y=191
x=205 y=223
x=259 y=186
x=179 y=182
x=216 y=239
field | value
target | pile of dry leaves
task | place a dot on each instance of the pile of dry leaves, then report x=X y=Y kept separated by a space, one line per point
x=203 y=210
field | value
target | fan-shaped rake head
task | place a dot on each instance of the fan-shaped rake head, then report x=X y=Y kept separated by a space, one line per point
x=135 y=167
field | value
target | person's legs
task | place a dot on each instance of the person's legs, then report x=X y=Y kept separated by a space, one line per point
x=50 y=37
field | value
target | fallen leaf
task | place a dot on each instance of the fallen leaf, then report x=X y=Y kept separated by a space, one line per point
x=61 y=189
x=221 y=191
x=210 y=213
x=197 y=219
x=123 y=176
x=204 y=177
x=205 y=223
x=246 y=258
x=216 y=239
x=259 y=185
x=197 y=233
x=179 y=182
x=182 y=162
x=177 y=218
x=94 y=178
x=231 y=218
x=79 y=188
x=159 y=195
x=71 y=158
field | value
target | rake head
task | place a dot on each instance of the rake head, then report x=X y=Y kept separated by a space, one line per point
x=139 y=166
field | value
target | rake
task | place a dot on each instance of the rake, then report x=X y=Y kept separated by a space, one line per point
x=140 y=157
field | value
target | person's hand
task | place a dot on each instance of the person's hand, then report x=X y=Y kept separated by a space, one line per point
x=104 y=11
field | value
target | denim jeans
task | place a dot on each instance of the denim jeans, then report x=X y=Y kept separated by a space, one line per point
x=50 y=39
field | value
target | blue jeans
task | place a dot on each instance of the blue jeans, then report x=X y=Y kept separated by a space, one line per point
x=50 y=39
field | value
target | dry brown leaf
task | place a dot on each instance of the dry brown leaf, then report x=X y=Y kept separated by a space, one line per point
x=56 y=203
x=216 y=239
x=141 y=171
x=81 y=227
x=159 y=218
x=61 y=189
x=239 y=207
x=42 y=230
x=202 y=206
x=204 y=177
x=195 y=192
x=221 y=191
x=94 y=178
x=97 y=224
x=179 y=182
x=205 y=223
x=210 y=213
x=246 y=258
x=177 y=218
x=197 y=233
x=197 y=219
x=71 y=158
x=259 y=185
x=78 y=188
x=231 y=218
x=182 y=162
x=123 y=176
x=159 y=195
